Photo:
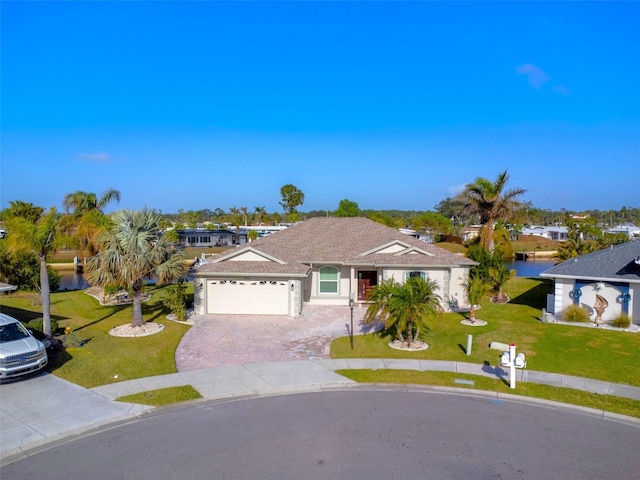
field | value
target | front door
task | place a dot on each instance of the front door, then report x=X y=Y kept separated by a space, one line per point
x=367 y=279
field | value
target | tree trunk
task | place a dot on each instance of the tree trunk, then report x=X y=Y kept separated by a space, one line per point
x=472 y=314
x=137 y=305
x=45 y=296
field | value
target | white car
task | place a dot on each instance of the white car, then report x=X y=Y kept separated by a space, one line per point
x=20 y=352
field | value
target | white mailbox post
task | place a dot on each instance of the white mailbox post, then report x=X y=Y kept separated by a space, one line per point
x=513 y=361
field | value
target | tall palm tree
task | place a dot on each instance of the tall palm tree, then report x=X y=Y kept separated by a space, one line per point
x=40 y=237
x=133 y=250
x=492 y=203
x=404 y=308
x=81 y=202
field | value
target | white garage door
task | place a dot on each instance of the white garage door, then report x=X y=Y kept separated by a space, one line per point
x=266 y=297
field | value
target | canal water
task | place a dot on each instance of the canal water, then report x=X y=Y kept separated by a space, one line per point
x=530 y=268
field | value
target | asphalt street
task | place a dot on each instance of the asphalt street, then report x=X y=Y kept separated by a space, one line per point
x=360 y=432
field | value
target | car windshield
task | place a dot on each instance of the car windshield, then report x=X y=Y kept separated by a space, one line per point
x=12 y=331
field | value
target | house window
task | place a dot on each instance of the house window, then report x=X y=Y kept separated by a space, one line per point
x=328 y=280
x=421 y=275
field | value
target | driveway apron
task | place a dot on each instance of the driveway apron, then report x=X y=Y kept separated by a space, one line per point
x=217 y=340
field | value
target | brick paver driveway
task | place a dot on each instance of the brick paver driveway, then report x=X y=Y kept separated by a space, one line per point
x=217 y=340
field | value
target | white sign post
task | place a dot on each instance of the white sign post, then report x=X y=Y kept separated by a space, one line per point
x=513 y=361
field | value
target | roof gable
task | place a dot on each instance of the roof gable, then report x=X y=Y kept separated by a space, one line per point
x=248 y=254
x=391 y=247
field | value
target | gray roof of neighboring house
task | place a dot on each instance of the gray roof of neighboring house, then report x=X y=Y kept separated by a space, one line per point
x=618 y=263
x=335 y=241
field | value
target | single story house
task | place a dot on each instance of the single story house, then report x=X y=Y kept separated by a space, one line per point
x=613 y=274
x=322 y=261
x=202 y=237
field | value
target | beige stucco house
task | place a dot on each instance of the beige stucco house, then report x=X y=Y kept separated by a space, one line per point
x=322 y=261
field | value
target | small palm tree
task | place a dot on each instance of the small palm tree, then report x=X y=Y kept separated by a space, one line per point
x=404 y=308
x=131 y=251
x=475 y=288
x=499 y=277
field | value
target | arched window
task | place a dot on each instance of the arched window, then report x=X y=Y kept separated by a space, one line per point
x=328 y=280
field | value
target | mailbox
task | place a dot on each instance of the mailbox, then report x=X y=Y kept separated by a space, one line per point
x=505 y=359
x=520 y=361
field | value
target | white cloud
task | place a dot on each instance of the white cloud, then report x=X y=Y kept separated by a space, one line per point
x=100 y=157
x=537 y=77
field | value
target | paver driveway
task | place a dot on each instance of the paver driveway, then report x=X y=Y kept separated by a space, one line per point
x=217 y=340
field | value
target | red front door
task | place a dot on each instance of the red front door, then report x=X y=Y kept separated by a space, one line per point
x=367 y=279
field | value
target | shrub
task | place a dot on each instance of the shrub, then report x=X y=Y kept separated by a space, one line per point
x=36 y=326
x=175 y=300
x=575 y=313
x=621 y=321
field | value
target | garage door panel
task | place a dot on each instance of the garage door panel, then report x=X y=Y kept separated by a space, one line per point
x=266 y=297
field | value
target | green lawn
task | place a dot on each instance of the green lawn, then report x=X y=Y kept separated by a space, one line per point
x=163 y=396
x=102 y=358
x=587 y=352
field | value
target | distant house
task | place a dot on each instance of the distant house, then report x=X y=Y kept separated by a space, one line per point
x=201 y=237
x=612 y=274
x=323 y=261
x=557 y=233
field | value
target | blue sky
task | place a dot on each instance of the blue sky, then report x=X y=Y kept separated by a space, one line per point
x=393 y=105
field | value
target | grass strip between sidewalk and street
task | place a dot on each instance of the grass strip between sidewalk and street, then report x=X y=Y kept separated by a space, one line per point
x=609 y=403
x=163 y=396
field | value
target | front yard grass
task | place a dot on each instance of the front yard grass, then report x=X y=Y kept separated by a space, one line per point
x=600 y=354
x=97 y=358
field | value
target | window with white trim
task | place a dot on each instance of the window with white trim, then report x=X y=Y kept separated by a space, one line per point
x=328 y=280
x=409 y=275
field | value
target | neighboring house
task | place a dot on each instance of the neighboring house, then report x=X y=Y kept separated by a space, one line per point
x=323 y=261
x=201 y=237
x=630 y=230
x=613 y=274
x=557 y=233
x=469 y=233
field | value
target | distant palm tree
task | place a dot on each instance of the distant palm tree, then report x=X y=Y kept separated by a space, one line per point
x=42 y=238
x=403 y=308
x=492 y=203
x=81 y=202
x=259 y=213
x=87 y=218
x=133 y=250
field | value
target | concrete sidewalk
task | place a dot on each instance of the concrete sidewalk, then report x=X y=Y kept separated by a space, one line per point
x=45 y=408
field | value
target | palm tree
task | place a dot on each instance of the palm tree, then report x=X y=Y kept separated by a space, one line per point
x=404 y=308
x=87 y=218
x=475 y=288
x=492 y=203
x=40 y=237
x=500 y=276
x=133 y=250
x=81 y=202
x=259 y=213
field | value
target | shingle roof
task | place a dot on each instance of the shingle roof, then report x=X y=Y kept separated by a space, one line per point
x=617 y=263
x=349 y=241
